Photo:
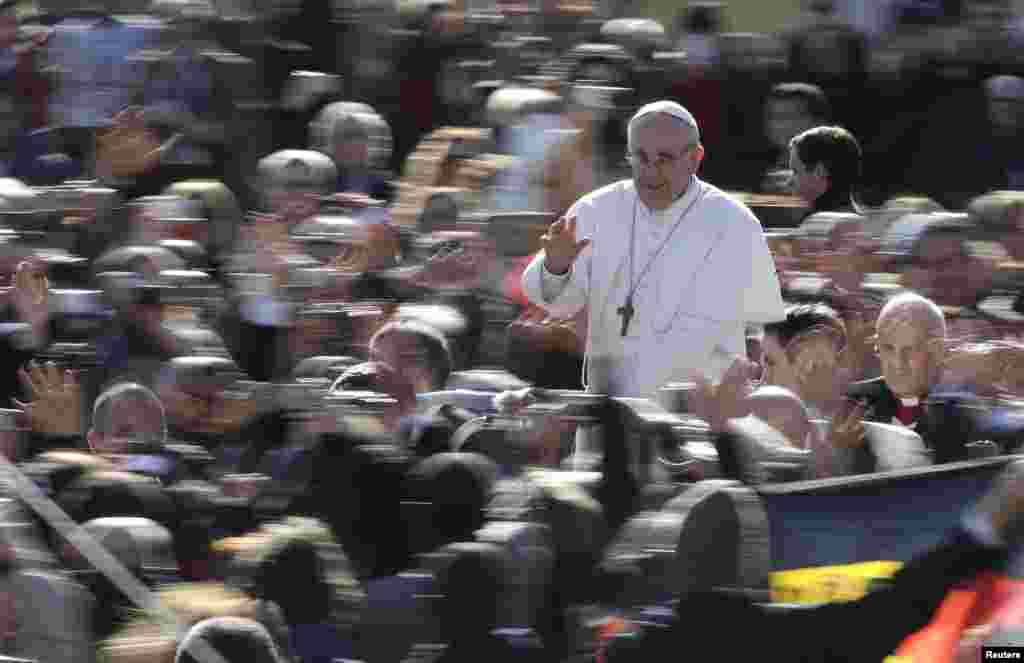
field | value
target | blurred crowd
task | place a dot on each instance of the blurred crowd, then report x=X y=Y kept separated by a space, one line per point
x=270 y=381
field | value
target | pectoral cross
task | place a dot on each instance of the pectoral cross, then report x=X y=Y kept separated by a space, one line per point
x=626 y=311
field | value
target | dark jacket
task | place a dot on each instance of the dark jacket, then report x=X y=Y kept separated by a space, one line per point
x=868 y=629
x=945 y=424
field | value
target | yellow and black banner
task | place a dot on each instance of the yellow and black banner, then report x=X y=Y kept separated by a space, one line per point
x=826 y=584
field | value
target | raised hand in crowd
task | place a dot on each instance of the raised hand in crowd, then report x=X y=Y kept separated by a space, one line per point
x=56 y=405
x=560 y=246
x=728 y=400
x=129 y=148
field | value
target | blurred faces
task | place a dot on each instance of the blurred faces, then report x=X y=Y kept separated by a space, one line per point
x=131 y=420
x=203 y=411
x=944 y=271
x=351 y=144
x=809 y=366
x=405 y=353
x=911 y=359
x=846 y=257
x=777 y=368
x=807 y=183
x=293 y=205
x=664 y=154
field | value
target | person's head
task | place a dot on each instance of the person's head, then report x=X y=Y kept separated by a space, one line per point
x=292 y=572
x=192 y=387
x=702 y=18
x=1005 y=95
x=833 y=243
x=911 y=344
x=350 y=142
x=1002 y=214
x=380 y=378
x=124 y=415
x=825 y=160
x=146 y=638
x=783 y=410
x=470 y=581
x=458 y=487
x=218 y=205
x=791 y=109
x=941 y=266
x=802 y=352
x=417 y=350
x=294 y=181
x=665 y=152
x=235 y=639
x=895 y=208
x=353 y=134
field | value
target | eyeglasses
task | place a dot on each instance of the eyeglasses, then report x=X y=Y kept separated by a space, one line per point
x=661 y=162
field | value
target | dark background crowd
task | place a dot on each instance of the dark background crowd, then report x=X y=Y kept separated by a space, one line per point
x=263 y=342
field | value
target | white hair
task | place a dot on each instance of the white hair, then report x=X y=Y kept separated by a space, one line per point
x=914 y=308
x=663 y=108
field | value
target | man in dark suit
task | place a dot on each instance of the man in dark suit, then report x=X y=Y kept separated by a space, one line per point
x=911 y=346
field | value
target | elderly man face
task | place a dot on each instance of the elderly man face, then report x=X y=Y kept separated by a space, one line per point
x=911 y=349
x=664 y=153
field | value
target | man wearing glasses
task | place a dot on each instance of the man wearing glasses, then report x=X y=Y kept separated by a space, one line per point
x=670 y=268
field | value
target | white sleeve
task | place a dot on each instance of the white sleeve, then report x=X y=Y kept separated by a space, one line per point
x=564 y=296
x=762 y=298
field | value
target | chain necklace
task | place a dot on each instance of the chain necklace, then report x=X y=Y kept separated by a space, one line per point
x=627 y=310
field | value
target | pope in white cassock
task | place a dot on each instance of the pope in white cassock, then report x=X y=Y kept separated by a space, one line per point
x=670 y=268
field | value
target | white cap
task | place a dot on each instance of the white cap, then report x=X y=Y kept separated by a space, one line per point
x=667 y=108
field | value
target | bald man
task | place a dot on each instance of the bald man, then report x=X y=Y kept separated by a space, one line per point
x=669 y=268
x=775 y=441
x=911 y=346
x=784 y=411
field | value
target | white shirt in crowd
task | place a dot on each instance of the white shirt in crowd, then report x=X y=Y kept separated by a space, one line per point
x=691 y=307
